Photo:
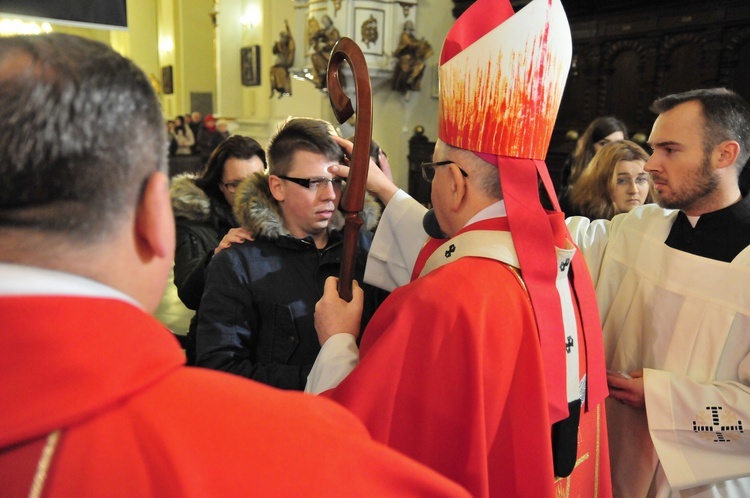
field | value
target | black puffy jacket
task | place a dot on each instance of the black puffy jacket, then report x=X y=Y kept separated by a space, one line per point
x=256 y=317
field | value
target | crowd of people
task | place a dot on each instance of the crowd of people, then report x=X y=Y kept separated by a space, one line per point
x=491 y=347
x=194 y=135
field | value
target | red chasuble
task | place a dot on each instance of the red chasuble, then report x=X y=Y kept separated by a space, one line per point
x=451 y=374
x=134 y=422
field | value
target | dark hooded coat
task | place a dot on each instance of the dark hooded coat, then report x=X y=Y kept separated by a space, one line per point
x=256 y=317
x=201 y=223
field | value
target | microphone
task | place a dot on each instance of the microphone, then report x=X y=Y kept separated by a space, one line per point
x=431 y=225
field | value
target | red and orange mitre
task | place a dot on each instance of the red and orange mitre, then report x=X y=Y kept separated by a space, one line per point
x=502 y=76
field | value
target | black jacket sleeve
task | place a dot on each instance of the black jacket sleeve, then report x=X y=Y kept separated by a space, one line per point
x=193 y=252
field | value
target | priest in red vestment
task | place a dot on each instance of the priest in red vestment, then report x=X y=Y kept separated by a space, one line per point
x=488 y=366
x=95 y=398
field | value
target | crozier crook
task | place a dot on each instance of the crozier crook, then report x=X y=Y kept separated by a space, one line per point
x=352 y=201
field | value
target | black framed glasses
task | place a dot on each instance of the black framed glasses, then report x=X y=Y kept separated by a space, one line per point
x=314 y=183
x=428 y=169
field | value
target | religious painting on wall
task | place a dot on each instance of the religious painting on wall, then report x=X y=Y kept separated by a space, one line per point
x=250 y=60
x=166 y=80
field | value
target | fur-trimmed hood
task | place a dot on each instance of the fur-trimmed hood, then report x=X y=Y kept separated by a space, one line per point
x=188 y=200
x=259 y=213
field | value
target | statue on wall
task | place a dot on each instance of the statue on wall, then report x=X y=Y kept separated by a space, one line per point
x=321 y=43
x=411 y=54
x=284 y=52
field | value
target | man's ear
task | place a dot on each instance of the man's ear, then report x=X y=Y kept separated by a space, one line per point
x=276 y=188
x=154 y=221
x=726 y=153
x=458 y=187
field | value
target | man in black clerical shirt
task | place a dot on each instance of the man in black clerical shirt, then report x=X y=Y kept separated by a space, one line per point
x=672 y=287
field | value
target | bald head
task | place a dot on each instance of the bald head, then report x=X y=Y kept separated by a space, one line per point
x=463 y=187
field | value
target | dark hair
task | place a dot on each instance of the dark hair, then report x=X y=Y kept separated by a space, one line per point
x=236 y=146
x=308 y=134
x=726 y=114
x=179 y=124
x=80 y=133
x=598 y=129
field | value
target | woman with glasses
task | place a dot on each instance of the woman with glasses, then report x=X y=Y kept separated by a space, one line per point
x=203 y=215
x=614 y=182
x=257 y=313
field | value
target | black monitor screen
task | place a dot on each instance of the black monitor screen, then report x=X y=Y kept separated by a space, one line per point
x=104 y=13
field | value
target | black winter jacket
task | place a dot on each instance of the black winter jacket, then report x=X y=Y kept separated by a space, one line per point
x=256 y=317
x=201 y=223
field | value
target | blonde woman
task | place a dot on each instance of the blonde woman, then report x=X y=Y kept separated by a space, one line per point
x=614 y=182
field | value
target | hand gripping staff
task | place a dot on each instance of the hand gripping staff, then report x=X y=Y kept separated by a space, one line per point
x=353 y=199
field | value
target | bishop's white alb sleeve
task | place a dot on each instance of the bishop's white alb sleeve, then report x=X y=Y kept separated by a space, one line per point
x=397 y=243
x=336 y=359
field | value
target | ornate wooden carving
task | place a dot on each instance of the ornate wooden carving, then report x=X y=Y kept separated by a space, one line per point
x=734 y=68
x=627 y=69
x=624 y=57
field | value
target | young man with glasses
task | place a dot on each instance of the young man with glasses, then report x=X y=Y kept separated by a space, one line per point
x=256 y=314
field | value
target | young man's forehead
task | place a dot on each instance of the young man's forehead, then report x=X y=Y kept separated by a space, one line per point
x=305 y=158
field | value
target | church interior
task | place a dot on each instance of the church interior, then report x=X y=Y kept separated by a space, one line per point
x=200 y=55
x=510 y=320
x=224 y=57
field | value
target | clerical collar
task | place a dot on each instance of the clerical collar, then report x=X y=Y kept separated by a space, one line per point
x=719 y=235
x=728 y=216
x=693 y=220
x=496 y=210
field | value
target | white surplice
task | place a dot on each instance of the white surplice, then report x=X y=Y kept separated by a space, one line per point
x=684 y=320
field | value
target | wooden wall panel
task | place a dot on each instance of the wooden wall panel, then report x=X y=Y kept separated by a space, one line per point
x=626 y=57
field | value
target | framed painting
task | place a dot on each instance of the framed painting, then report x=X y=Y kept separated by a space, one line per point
x=166 y=80
x=250 y=65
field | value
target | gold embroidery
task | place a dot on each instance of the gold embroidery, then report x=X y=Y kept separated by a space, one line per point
x=561 y=492
x=598 y=444
x=583 y=458
x=718 y=424
x=517 y=273
x=37 y=485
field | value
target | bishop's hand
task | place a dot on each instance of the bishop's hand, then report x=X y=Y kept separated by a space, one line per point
x=334 y=316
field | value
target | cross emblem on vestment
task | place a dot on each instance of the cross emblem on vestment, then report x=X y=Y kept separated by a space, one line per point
x=564 y=264
x=569 y=344
x=450 y=251
x=718 y=427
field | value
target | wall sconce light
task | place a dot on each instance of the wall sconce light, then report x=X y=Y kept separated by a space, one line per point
x=252 y=18
x=166 y=45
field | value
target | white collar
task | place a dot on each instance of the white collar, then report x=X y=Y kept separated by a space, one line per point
x=21 y=280
x=495 y=210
